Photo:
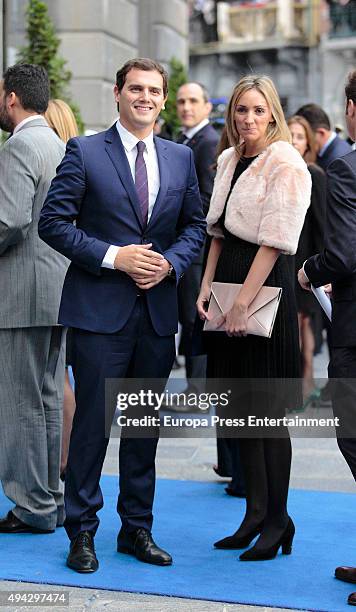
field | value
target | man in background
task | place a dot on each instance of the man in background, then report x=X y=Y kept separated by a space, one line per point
x=31 y=279
x=329 y=145
x=194 y=108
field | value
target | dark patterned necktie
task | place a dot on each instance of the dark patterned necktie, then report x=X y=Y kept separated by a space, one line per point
x=141 y=180
x=182 y=138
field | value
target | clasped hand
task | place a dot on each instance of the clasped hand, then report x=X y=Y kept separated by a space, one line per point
x=236 y=320
x=146 y=267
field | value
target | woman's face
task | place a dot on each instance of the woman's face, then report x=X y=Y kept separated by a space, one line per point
x=252 y=116
x=299 y=138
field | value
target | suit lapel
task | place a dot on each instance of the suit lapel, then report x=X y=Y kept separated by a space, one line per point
x=116 y=152
x=162 y=156
x=194 y=141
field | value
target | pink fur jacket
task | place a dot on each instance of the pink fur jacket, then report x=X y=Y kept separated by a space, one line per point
x=268 y=203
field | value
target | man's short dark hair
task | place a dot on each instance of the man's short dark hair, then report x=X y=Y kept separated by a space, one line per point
x=315 y=115
x=31 y=85
x=204 y=90
x=141 y=63
x=350 y=87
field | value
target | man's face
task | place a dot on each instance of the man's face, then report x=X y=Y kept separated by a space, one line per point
x=350 y=119
x=322 y=135
x=191 y=105
x=141 y=99
x=5 y=121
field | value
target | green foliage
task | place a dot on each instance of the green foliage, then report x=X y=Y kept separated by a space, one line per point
x=177 y=76
x=42 y=49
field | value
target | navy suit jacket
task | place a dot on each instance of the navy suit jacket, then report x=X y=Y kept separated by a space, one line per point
x=336 y=264
x=94 y=188
x=337 y=148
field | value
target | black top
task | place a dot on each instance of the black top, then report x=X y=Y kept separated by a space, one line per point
x=241 y=166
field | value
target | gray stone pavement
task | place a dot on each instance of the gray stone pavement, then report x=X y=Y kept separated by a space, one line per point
x=317 y=464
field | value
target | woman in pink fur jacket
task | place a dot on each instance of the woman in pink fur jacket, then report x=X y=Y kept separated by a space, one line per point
x=260 y=198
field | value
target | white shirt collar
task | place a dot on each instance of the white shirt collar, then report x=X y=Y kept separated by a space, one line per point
x=130 y=141
x=328 y=142
x=195 y=129
x=24 y=121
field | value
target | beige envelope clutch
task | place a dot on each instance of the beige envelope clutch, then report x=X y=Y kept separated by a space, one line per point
x=261 y=312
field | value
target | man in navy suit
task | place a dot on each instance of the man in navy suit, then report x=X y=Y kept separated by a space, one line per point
x=336 y=264
x=138 y=226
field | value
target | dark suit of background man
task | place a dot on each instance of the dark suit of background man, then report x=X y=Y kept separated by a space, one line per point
x=31 y=281
x=194 y=108
x=329 y=147
x=336 y=264
x=139 y=225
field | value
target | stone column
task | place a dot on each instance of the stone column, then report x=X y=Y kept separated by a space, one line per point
x=98 y=36
x=285 y=17
x=163 y=30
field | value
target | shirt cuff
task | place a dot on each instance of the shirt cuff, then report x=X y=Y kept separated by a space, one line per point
x=303 y=268
x=109 y=259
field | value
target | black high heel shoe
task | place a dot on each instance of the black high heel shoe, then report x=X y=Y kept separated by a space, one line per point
x=235 y=542
x=286 y=541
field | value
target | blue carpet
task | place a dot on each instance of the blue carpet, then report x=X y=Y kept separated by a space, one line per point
x=189 y=516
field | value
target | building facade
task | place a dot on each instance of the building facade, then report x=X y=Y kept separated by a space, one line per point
x=98 y=36
x=306 y=47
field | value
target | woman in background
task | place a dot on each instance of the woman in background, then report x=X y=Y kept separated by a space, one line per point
x=61 y=119
x=310 y=242
x=261 y=194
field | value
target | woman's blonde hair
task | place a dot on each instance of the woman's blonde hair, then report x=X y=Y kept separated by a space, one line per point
x=311 y=152
x=277 y=130
x=60 y=118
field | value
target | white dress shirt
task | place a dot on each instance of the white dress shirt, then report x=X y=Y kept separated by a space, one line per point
x=189 y=133
x=24 y=121
x=129 y=142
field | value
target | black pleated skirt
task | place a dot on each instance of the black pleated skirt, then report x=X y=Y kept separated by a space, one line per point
x=255 y=357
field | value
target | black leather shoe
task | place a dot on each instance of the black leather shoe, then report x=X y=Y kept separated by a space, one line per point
x=140 y=544
x=82 y=557
x=11 y=524
x=352 y=599
x=347 y=574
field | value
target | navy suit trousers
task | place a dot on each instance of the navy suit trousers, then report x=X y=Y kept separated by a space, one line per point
x=136 y=351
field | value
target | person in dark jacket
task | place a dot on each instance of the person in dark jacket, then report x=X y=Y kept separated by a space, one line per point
x=336 y=264
x=198 y=134
x=311 y=241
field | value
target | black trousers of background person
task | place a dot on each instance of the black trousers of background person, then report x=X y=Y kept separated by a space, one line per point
x=342 y=372
x=136 y=351
x=188 y=291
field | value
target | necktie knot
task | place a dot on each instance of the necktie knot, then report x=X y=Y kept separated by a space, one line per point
x=141 y=146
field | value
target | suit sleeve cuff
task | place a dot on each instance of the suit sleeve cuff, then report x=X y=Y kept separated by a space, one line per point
x=303 y=268
x=109 y=259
